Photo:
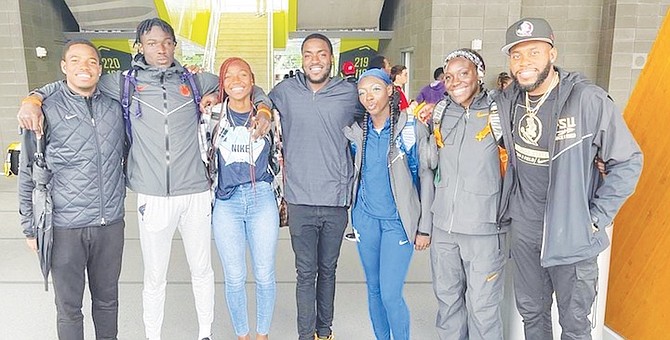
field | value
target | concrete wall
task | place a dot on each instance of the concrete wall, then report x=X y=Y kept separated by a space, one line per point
x=413 y=31
x=608 y=18
x=43 y=23
x=635 y=30
x=600 y=38
x=577 y=32
x=24 y=25
x=458 y=22
x=446 y=25
x=13 y=77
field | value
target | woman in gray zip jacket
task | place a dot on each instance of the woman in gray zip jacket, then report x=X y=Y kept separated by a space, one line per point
x=467 y=253
x=390 y=216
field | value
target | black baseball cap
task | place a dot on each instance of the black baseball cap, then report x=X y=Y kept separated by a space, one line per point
x=528 y=29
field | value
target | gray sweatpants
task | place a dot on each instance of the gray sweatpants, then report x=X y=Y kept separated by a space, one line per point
x=468 y=284
x=97 y=251
x=574 y=284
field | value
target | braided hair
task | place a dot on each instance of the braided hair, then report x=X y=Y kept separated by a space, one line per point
x=394 y=103
x=366 y=117
x=145 y=26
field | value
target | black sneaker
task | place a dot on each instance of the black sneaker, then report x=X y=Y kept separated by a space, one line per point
x=350 y=237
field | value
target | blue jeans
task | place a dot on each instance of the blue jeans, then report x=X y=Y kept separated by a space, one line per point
x=316 y=237
x=385 y=254
x=248 y=216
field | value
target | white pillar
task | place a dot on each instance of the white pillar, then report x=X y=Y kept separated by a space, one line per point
x=512 y=320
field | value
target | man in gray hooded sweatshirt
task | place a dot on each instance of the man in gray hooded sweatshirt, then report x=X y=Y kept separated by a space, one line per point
x=314 y=109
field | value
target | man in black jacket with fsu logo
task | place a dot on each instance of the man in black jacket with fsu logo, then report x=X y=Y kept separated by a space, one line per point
x=554 y=125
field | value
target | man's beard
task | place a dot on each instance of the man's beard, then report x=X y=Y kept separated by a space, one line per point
x=540 y=79
x=321 y=79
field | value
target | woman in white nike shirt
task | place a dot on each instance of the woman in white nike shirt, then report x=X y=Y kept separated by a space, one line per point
x=245 y=210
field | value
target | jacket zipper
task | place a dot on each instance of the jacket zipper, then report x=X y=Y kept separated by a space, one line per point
x=167 y=136
x=458 y=167
x=551 y=149
x=89 y=105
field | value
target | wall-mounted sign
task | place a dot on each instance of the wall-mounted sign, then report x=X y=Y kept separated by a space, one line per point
x=114 y=60
x=360 y=57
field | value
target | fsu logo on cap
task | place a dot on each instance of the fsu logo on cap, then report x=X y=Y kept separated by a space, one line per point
x=525 y=29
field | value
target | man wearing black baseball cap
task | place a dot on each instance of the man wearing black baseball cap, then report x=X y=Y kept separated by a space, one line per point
x=554 y=124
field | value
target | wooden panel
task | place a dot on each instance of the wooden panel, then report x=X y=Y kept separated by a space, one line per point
x=638 y=301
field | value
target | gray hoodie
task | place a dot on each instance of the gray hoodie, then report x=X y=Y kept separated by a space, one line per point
x=577 y=196
x=316 y=153
x=164 y=159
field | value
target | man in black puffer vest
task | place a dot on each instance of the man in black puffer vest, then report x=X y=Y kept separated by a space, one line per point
x=84 y=147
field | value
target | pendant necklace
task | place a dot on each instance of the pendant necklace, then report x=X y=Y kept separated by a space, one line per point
x=532 y=111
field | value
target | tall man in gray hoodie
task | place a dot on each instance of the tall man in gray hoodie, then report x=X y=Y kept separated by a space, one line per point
x=554 y=125
x=314 y=109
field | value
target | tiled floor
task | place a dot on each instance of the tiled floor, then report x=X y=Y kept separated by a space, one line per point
x=28 y=312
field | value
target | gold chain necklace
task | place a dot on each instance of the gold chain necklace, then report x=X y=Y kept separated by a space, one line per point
x=532 y=111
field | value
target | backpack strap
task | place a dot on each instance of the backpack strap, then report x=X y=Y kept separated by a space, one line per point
x=411 y=152
x=188 y=77
x=438 y=112
x=204 y=134
x=129 y=84
x=496 y=130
